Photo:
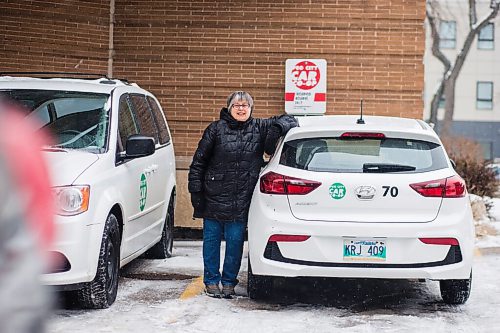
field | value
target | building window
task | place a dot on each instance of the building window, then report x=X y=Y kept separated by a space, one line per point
x=447 y=34
x=486 y=37
x=484 y=95
x=442 y=102
x=487 y=148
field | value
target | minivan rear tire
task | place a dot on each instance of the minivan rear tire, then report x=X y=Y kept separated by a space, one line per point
x=163 y=249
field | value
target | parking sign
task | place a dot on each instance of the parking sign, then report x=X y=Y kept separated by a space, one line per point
x=305 y=86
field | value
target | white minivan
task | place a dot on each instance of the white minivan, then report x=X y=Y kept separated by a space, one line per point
x=113 y=173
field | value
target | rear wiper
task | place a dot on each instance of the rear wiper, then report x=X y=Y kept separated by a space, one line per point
x=386 y=167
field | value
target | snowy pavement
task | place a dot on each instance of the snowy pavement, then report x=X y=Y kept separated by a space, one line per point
x=307 y=305
x=149 y=300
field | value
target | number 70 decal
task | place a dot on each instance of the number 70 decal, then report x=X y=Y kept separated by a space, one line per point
x=392 y=190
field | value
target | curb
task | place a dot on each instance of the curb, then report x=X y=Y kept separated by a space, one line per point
x=487 y=250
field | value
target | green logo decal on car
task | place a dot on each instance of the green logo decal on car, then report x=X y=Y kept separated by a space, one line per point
x=144 y=192
x=337 y=191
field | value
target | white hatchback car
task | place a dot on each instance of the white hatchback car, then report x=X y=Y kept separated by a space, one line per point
x=113 y=172
x=378 y=199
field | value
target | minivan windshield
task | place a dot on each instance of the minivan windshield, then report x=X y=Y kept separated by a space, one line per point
x=363 y=155
x=76 y=120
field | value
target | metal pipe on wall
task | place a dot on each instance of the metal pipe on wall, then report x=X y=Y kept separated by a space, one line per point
x=111 y=50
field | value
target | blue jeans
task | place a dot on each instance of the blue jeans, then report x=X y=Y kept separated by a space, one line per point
x=234 y=234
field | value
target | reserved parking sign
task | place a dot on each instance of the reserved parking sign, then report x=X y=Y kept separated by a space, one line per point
x=305 y=86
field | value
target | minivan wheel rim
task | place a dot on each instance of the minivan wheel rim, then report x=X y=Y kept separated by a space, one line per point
x=111 y=267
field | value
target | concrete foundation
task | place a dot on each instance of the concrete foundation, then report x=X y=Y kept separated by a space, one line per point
x=184 y=210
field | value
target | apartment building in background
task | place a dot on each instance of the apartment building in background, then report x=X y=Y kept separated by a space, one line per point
x=477 y=98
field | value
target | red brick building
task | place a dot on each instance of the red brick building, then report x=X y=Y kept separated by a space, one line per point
x=192 y=54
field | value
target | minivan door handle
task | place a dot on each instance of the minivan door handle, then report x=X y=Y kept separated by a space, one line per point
x=151 y=169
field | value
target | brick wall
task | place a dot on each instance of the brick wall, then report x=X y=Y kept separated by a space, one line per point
x=192 y=54
x=54 y=35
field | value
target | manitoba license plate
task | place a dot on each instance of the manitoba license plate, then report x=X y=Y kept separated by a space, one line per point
x=364 y=249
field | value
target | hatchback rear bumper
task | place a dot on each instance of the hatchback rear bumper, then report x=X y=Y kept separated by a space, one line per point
x=321 y=254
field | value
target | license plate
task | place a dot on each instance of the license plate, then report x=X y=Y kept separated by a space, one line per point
x=364 y=249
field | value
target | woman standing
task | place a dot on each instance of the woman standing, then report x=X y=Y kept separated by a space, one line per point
x=222 y=178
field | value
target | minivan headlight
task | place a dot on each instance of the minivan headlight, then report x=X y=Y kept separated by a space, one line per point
x=71 y=200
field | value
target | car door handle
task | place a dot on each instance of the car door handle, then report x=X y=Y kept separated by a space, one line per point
x=151 y=169
x=154 y=168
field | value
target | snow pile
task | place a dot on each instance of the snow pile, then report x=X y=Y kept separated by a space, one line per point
x=487 y=229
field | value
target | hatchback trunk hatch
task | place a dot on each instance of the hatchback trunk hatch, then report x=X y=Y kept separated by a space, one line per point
x=364 y=198
x=364 y=177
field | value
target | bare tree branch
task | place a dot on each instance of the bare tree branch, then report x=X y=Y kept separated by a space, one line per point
x=472 y=13
x=436 y=51
x=435 y=102
x=457 y=66
x=452 y=70
x=449 y=84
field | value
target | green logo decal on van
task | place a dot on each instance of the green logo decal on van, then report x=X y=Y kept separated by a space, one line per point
x=337 y=191
x=144 y=192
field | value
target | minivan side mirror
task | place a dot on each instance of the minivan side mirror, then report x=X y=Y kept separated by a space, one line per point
x=139 y=146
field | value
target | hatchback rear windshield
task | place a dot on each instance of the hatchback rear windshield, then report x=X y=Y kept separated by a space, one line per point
x=363 y=155
x=76 y=120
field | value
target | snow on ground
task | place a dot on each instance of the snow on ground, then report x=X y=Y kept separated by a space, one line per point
x=152 y=306
x=391 y=306
x=491 y=241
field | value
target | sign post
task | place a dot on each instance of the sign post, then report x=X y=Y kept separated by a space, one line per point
x=305 y=86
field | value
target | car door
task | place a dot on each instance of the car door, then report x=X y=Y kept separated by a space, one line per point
x=153 y=186
x=164 y=155
x=134 y=182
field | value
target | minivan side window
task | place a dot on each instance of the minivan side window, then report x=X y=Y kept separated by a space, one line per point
x=126 y=123
x=145 y=117
x=158 y=114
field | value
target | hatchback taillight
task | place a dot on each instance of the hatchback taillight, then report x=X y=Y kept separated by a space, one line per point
x=274 y=183
x=451 y=187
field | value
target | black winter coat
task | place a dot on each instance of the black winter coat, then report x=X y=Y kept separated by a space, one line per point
x=227 y=163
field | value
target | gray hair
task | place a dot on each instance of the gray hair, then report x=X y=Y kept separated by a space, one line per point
x=239 y=96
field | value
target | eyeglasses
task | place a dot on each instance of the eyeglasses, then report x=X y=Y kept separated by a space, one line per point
x=240 y=106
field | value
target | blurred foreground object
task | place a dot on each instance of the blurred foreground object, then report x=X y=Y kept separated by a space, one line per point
x=26 y=224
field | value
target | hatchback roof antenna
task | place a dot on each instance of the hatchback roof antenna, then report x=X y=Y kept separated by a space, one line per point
x=360 y=120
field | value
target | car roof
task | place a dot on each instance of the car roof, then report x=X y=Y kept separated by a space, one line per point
x=390 y=126
x=101 y=85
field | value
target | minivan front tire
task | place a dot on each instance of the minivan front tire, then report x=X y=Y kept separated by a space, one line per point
x=101 y=292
